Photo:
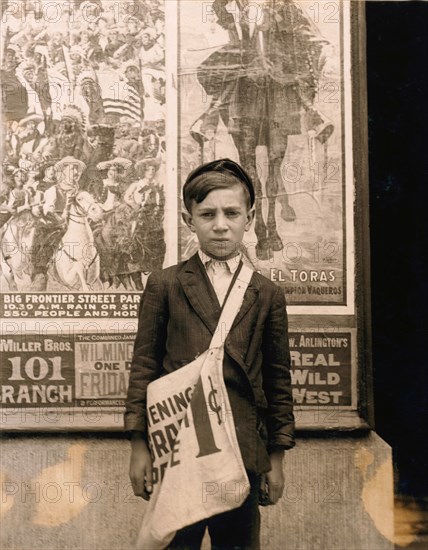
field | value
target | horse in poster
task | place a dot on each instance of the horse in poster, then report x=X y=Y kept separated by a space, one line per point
x=76 y=263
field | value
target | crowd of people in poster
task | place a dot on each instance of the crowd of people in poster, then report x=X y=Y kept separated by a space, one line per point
x=83 y=148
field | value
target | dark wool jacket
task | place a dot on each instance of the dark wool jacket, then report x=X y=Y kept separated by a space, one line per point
x=178 y=315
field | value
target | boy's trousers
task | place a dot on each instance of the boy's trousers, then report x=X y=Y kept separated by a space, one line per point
x=234 y=530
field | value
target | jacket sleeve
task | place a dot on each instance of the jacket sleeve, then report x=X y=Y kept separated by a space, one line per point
x=149 y=351
x=276 y=376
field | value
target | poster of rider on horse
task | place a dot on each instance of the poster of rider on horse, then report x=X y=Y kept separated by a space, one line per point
x=89 y=109
x=263 y=82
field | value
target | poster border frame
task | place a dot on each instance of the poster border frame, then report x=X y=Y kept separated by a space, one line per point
x=363 y=418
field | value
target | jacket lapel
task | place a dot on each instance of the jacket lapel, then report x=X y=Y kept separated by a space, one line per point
x=196 y=286
x=250 y=297
x=195 y=283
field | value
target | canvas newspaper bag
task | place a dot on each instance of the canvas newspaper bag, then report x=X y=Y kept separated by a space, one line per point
x=197 y=463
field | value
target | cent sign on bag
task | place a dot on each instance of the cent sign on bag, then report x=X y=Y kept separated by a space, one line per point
x=198 y=468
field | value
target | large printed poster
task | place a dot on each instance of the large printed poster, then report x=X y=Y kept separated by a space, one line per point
x=83 y=155
x=74 y=381
x=106 y=107
x=84 y=143
x=266 y=84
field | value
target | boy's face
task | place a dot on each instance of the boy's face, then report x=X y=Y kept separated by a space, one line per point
x=220 y=221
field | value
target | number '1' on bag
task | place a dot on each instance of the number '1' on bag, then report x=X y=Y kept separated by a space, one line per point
x=198 y=466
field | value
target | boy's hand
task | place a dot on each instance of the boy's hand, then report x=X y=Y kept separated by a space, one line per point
x=272 y=483
x=140 y=469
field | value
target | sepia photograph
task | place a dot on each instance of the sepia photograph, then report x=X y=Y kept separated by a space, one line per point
x=212 y=275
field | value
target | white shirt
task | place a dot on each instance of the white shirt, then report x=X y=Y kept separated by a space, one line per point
x=220 y=273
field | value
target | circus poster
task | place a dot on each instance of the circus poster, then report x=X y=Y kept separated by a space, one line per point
x=267 y=84
x=106 y=107
x=82 y=202
x=80 y=380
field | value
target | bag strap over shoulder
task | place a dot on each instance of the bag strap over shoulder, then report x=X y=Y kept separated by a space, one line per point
x=231 y=307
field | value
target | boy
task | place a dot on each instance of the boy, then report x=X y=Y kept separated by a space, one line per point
x=178 y=315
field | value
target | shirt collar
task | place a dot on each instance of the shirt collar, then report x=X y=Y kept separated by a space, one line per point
x=232 y=263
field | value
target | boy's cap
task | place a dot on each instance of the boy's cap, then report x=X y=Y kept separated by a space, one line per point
x=227 y=167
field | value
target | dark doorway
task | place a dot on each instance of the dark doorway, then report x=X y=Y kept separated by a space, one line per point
x=397 y=61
